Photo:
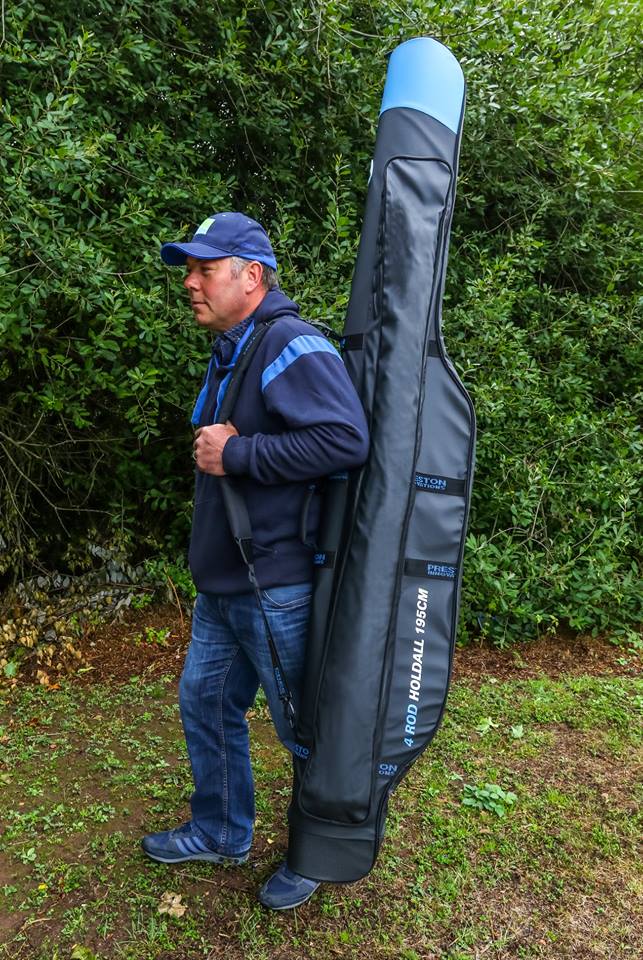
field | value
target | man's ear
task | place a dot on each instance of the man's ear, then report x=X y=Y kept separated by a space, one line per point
x=254 y=274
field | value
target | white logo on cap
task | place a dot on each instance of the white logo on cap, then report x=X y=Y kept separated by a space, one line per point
x=205 y=226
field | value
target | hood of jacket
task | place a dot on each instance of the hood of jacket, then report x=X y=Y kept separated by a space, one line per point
x=275 y=304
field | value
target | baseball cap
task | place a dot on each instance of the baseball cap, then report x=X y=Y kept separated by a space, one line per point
x=227 y=234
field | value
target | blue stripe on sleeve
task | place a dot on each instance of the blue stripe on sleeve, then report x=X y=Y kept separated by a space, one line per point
x=298 y=347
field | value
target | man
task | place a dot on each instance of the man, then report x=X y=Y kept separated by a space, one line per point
x=296 y=418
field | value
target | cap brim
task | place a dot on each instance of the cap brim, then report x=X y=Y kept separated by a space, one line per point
x=176 y=254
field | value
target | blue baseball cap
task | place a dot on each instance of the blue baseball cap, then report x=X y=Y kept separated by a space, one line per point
x=223 y=235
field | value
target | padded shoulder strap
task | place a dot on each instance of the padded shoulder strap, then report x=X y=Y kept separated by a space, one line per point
x=238 y=518
x=239 y=371
x=326 y=330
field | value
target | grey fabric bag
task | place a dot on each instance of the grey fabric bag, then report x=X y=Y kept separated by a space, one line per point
x=389 y=560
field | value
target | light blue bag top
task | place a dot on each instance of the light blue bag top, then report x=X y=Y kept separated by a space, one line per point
x=424 y=75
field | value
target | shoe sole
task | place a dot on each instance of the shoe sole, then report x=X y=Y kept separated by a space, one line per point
x=208 y=857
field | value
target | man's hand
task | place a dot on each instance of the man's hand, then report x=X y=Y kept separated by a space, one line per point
x=208 y=447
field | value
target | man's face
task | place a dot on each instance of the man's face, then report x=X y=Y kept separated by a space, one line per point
x=219 y=299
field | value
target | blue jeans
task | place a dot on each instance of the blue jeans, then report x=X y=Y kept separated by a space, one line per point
x=227 y=660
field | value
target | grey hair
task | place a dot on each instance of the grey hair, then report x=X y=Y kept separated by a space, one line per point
x=268 y=275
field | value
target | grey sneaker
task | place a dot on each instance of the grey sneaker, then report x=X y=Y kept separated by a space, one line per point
x=285 y=890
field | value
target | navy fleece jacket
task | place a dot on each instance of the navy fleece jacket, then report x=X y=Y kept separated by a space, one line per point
x=299 y=419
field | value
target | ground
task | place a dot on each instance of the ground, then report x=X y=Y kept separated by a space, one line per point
x=90 y=764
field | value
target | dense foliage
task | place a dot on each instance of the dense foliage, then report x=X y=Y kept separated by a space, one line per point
x=125 y=123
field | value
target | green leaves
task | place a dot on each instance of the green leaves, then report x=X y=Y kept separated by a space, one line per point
x=485 y=725
x=491 y=797
x=124 y=127
x=80 y=952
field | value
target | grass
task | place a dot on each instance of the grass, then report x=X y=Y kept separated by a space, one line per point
x=86 y=771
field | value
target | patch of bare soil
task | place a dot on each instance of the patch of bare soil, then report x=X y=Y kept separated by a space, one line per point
x=134 y=645
x=575 y=757
x=11 y=873
x=598 y=919
x=117 y=651
x=565 y=654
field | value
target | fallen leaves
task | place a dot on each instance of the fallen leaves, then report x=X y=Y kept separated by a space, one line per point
x=171 y=904
x=82 y=953
x=485 y=726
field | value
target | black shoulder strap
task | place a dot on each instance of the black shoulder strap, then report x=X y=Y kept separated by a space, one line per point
x=326 y=330
x=239 y=371
x=237 y=513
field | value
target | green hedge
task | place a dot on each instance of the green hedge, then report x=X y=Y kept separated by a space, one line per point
x=125 y=123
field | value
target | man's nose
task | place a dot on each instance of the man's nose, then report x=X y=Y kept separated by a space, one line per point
x=190 y=282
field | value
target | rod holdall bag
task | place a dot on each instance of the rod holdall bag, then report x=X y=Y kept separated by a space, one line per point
x=388 y=565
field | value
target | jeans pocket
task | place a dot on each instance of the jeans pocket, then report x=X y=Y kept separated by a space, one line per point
x=287 y=598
